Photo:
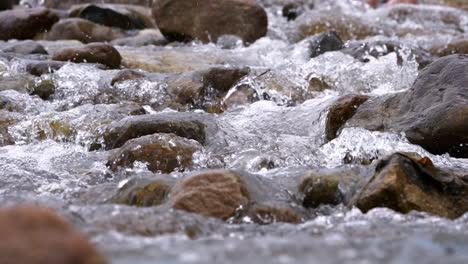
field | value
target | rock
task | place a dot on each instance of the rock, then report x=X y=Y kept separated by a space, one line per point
x=25 y=23
x=91 y=53
x=244 y=94
x=196 y=88
x=216 y=194
x=318 y=190
x=459 y=46
x=25 y=47
x=324 y=42
x=82 y=30
x=112 y=16
x=265 y=215
x=162 y=152
x=37 y=235
x=116 y=134
x=44 y=89
x=291 y=11
x=37 y=68
x=341 y=111
x=318 y=84
x=460 y=4
x=142 y=193
x=126 y=75
x=376 y=49
x=440 y=128
x=66 y=4
x=207 y=20
x=141 y=40
x=404 y=185
x=345 y=26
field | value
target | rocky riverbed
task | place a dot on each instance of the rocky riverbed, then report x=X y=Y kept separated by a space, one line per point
x=233 y=131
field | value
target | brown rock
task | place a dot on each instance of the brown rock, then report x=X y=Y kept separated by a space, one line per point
x=265 y=215
x=404 y=185
x=125 y=75
x=91 y=53
x=318 y=190
x=66 y=4
x=116 y=134
x=82 y=30
x=216 y=194
x=459 y=46
x=207 y=20
x=146 y=194
x=5 y=137
x=36 y=235
x=25 y=23
x=163 y=152
x=341 y=111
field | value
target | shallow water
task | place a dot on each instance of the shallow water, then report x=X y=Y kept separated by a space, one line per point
x=279 y=139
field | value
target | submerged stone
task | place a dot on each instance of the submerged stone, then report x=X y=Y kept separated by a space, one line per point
x=92 y=53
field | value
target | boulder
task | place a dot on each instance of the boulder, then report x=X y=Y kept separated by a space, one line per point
x=82 y=30
x=341 y=111
x=92 y=53
x=38 y=67
x=116 y=134
x=216 y=194
x=162 y=152
x=25 y=23
x=207 y=20
x=37 y=235
x=112 y=16
x=66 y=4
x=318 y=190
x=324 y=42
x=25 y=48
x=43 y=88
x=404 y=184
x=432 y=114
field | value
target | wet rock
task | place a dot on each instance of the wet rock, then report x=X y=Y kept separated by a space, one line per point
x=324 y=42
x=25 y=47
x=91 y=53
x=162 y=152
x=82 y=30
x=347 y=27
x=207 y=20
x=195 y=88
x=37 y=235
x=318 y=84
x=440 y=128
x=112 y=16
x=116 y=134
x=216 y=194
x=282 y=89
x=265 y=215
x=25 y=23
x=38 y=68
x=44 y=89
x=376 y=49
x=66 y=4
x=291 y=11
x=146 y=193
x=318 y=190
x=141 y=40
x=244 y=94
x=126 y=75
x=404 y=185
x=341 y=111
x=459 y=46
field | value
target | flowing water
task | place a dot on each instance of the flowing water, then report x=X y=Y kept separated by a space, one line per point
x=280 y=139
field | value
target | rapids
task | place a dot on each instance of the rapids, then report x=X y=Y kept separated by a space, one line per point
x=280 y=139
